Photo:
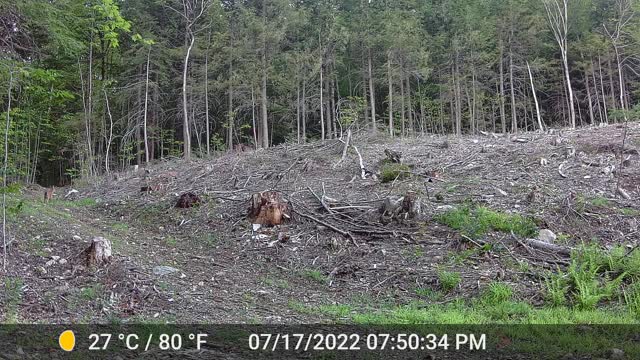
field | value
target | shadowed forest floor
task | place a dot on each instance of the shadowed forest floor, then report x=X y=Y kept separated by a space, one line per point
x=465 y=259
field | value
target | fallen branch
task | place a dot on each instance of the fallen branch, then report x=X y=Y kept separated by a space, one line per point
x=324 y=223
x=547 y=246
x=560 y=170
x=364 y=172
x=344 y=150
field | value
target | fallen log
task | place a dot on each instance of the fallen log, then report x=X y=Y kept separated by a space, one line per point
x=538 y=244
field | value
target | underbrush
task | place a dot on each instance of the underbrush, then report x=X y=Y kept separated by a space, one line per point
x=477 y=221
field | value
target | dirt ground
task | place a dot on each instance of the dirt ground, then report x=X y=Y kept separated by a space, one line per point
x=225 y=272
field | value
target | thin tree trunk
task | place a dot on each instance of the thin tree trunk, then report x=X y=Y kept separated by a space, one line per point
x=144 y=123
x=604 y=94
x=402 y=107
x=186 y=137
x=514 y=120
x=535 y=99
x=110 y=139
x=372 y=94
x=304 y=109
x=390 y=79
x=501 y=95
x=298 y=109
x=206 y=96
x=322 y=129
x=586 y=85
x=5 y=241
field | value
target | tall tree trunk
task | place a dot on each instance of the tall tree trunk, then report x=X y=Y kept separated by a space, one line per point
x=372 y=93
x=322 y=129
x=5 y=241
x=304 y=108
x=298 y=108
x=514 y=120
x=89 y=115
x=604 y=94
x=265 y=119
x=572 y=111
x=110 y=139
x=410 y=107
x=535 y=99
x=206 y=96
x=501 y=95
x=390 y=79
x=328 y=102
x=402 y=107
x=186 y=137
x=586 y=85
x=146 y=107
x=612 y=86
x=230 y=115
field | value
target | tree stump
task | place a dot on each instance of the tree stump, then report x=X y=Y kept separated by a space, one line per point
x=188 y=200
x=269 y=208
x=400 y=208
x=99 y=252
x=393 y=156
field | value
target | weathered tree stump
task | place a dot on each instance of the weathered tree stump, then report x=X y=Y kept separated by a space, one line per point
x=269 y=208
x=400 y=208
x=188 y=200
x=99 y=252
x=393 y=156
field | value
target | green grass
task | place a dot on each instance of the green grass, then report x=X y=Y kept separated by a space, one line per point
x=36 y=246
x=119 y=226
x=91 y=292
x=171 y=241
x=448 y=280
x=392 y=171
x=279 y=283
x=630 y=212
x=12 y=298
x=496 y=293
x=600 y=201
x=506 y=312
x=428 y=293
x=475 y=222
x=315 y=275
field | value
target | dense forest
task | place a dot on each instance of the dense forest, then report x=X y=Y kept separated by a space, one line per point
x=94 y=86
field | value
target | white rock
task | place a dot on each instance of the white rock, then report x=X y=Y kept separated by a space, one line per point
x=77 y=238
x=50 y=262
x=62 y=261
x=55 y=258
x=256 y=227
x=547 y=236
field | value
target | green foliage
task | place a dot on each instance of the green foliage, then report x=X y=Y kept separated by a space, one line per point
x=497 y=293
x=315 y=275
x=448 y=280
x=393 y=171
x=556 y=289
x=632 y=298
x=475 y=222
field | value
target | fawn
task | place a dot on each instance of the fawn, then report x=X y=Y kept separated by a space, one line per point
x=48 y=194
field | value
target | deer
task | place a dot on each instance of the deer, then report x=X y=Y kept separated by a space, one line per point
x=48 y=194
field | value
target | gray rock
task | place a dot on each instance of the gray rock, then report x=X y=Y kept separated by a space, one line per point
x=164 y=270
x=547 y=236
x=616 y=354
